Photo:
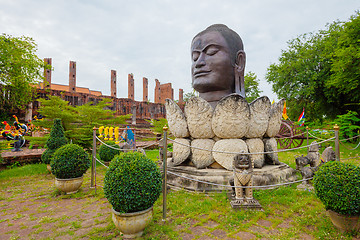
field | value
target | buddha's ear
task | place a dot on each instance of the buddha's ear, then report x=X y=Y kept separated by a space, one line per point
x=239 y=73
x=240 y=61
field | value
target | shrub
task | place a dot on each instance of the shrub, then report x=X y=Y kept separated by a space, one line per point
x=57 y=139
x=337 y=185
x=106 y=153
x=70 y=161
x=132 y=182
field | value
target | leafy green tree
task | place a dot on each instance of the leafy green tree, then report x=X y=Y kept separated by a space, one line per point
x=189 y=95
x=78 y=121
x=320 y=72
x=20 y=69
x=252 y=91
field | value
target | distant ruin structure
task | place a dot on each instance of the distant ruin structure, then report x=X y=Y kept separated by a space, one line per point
x=77 y=96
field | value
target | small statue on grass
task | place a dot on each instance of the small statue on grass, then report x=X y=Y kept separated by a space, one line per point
x=243 y=173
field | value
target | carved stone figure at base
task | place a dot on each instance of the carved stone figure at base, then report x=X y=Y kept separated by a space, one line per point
x=243 y=172
x=242 y=198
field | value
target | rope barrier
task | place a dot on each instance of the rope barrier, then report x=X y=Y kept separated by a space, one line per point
x=316 y=137
x=349 y=138
x=120 y=149
x=229 y=186
x=101 y=163
x=284 y=150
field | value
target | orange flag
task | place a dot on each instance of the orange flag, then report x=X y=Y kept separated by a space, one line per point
x=285 y=116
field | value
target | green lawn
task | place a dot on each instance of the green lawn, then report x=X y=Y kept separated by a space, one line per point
x=288 y=213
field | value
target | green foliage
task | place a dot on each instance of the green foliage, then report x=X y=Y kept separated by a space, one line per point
x=23 y=171
x=20 y=69
x=189 y=95
x=158 y=124
x=132 y=182
x=349 y=124
x=57 y=139
x=320 y=72
x=251 y=87
x=337 y=185
x=69 y=161
x=106 y=153
x=78 y=121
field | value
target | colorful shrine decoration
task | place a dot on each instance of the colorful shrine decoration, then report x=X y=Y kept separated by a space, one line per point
x=15 y=132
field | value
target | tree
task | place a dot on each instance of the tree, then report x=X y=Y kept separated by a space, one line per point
x=320 y=72
x=20 y=69
x=78 y=121
x=252 y=91
x=189 y=95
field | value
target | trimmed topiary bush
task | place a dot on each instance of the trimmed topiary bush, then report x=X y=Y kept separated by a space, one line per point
x=56 y=139
x=337 y=185
x=70 y=161
x=132 y=182
x=106 y=153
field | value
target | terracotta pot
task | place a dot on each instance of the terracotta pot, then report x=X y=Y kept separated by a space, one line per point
x=345 y=223
x=48 y=166
x=132 y=225
x=70 y=185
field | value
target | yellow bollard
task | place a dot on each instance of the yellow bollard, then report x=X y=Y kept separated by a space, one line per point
x=101 y=129
x=111 y=132
x=106 y=133
x=116 y=134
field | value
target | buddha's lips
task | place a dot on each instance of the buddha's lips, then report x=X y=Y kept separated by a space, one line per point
x=201 y=73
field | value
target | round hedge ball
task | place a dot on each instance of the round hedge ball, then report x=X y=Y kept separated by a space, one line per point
x=70 y=161
x=132 y=182
x=108 y=153
x=337 y=185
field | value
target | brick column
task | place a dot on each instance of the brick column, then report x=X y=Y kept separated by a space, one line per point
x=47 y=74
x=157 y=91
x=113 y=83
x=166 y=91
x=72 y=77
x=181 y=96
x=145 y=89
x=131 y=94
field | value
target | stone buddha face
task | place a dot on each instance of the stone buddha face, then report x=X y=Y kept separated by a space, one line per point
x=211 y=67
x=218 y=63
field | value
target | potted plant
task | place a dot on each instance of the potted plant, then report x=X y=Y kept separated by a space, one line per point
x=107 y=153
x=69 y=163
x=132 y=184
x=337 y=185
x=56 y=139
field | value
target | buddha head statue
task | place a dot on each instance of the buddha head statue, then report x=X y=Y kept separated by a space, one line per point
x=218 y=63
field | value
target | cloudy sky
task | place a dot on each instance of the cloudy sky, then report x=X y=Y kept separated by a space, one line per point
x=152 y=38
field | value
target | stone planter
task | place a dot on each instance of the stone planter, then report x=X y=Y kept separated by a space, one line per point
x=70 y=185
x=345 y=223
x=132 y=225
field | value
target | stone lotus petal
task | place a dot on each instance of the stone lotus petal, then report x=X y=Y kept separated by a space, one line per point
x=198 y=113
x=202 y=158
x=231 y=117
x=180 y=152
x=275 y=118
x=176 y=119
x=256 y=145
x=228 y=145
x=259 y=117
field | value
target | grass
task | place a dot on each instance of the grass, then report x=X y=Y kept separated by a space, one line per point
x=288 y=213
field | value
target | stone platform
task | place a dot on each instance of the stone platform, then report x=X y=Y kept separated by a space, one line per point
x=268 y=175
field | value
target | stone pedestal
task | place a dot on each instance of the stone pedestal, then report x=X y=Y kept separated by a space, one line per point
x=245 y=203
x=268 y=175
